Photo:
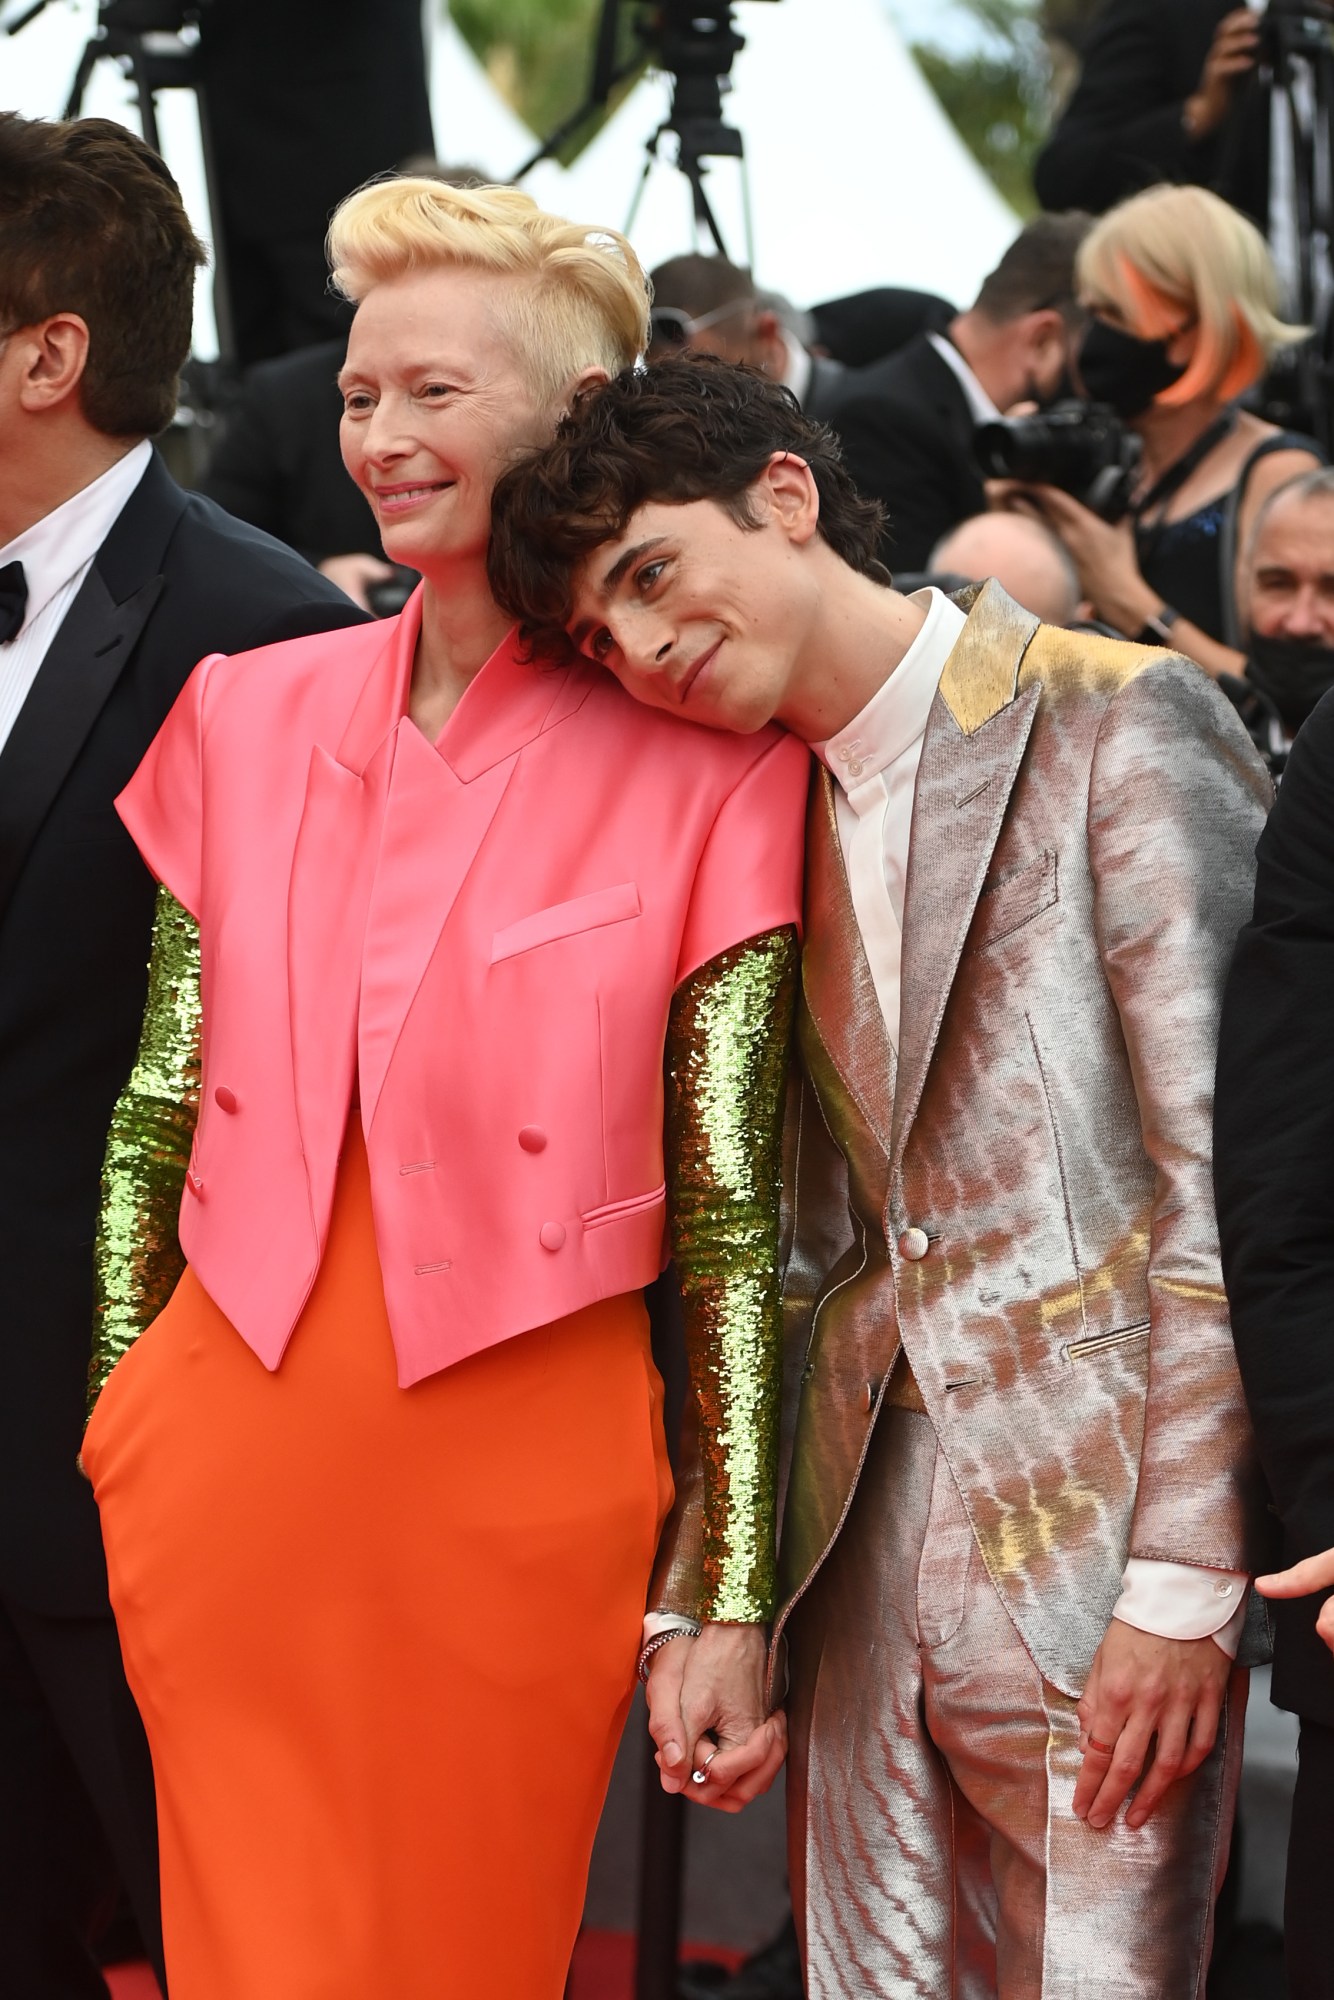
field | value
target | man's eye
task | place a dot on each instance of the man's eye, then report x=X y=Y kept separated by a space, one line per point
x=355 y=402
x=649 y=574
x=436 y=391
x=600 y=644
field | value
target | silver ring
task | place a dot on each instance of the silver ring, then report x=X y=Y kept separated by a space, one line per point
x=701 y=1776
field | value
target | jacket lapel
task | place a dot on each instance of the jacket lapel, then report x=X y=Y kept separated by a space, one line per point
x=836 y=977
x=399 y=821
x=434 y=825
x=83 y=664
x=975 y=741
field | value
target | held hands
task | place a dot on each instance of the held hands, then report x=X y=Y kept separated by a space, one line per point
x=1316 y=1573
x=706 y=1708
x=1143 y=1688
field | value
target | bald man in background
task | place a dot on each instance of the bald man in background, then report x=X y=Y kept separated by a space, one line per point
x=1028 y=561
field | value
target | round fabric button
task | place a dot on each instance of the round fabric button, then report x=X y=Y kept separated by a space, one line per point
x=533 y=1139
x=552 y=1235
x=224 y=1099
x=914 y=1244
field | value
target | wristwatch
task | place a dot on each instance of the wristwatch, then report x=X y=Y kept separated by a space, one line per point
x=1157 y=627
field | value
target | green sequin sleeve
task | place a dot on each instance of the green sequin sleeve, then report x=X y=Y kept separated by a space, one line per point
x=138 y=1254
x=727 y=1057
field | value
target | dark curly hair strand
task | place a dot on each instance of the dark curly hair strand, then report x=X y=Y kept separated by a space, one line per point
x=693 y=428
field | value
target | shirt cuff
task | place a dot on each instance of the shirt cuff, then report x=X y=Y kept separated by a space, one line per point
x=666 y=1621
x=1178 y=1601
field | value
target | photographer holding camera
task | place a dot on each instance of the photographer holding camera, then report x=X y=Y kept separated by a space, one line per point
x=1164 y=95
x=1181 y=296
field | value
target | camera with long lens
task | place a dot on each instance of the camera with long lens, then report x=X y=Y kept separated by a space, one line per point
x=1083 y=448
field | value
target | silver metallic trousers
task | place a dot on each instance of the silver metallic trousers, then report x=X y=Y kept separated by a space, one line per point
x=933 y=1850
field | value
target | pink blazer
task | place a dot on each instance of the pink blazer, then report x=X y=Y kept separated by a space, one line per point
x=486 y=933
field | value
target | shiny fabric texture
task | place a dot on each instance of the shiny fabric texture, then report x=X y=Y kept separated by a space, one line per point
x=728 y=1046
x=486 y=930
x=138 y=1257
x=339 y=1602
x=1081 y=861
x=727 y=1052
x=967 y=1873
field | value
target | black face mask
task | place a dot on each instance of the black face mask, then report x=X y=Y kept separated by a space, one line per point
x=1118 y=368
x=1294 y=673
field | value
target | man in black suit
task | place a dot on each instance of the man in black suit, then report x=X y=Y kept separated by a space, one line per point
x=907 y=423
x=1274 y=1180
x=1166 y=93
x=113 y=582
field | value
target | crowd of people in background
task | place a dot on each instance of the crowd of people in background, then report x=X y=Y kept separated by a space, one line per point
x=1101 y=446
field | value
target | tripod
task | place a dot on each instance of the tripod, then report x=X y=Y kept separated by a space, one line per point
x=1296 y=74
x=695 y=42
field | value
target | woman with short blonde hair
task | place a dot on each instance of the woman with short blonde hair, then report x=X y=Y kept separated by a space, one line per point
x=1184 y=320
x=441 y=927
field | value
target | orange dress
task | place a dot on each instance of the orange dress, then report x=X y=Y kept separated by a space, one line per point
x=383 y=1639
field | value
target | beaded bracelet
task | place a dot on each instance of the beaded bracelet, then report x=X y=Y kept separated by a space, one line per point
x=658 y=1641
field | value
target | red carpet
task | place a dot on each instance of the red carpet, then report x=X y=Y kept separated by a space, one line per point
x=603 y=1969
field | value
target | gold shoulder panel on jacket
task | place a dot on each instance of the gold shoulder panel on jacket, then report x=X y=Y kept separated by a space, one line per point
x=1003 y=649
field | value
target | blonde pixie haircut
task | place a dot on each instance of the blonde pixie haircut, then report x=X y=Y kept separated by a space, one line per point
x=1172 y=255
x=583 y=297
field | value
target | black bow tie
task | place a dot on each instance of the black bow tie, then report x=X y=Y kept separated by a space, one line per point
x=13 y=600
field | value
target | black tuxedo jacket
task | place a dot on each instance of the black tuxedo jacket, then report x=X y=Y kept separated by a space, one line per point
x=1274 y=1180
x=278 y=463
x=174 y=580
x=907 y=434
x=1122 y=130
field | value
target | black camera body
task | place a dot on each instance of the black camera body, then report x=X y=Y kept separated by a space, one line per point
x=1083 y=448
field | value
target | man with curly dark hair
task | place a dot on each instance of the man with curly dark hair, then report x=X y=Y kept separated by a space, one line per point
x=1019 y=1516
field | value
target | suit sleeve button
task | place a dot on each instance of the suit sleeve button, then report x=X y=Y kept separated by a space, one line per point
x=224 y=1099
x=533 y=1139
x=914 y=1244
x=552 y=1235
x=868 y=1397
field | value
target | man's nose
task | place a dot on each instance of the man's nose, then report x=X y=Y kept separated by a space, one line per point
x=647 y=644
x=1306 y=617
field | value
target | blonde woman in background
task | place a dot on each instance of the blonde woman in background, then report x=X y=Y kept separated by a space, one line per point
x=381 y=1482
x=1182 y=299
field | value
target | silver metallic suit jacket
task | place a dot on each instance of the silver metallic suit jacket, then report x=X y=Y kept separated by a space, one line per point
x=1027 y=1206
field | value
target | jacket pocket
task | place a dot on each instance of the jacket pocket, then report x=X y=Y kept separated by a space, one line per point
x=1010 y=901
x=616 y=1211
x=1097 y=1343
x=558 y=920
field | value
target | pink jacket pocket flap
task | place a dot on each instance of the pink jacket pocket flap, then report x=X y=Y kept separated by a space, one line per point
x=558 y=920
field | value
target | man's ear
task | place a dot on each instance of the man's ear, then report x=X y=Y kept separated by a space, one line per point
x=787 y=491
x=55 y=355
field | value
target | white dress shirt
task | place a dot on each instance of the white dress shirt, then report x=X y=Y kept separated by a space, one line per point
x=57 y=553
x=875 y=761
x=797 y=374
x=983 y=410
